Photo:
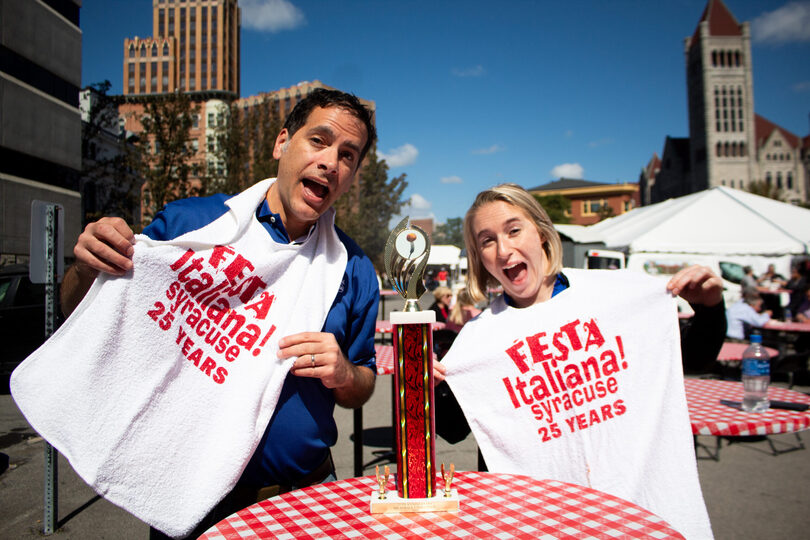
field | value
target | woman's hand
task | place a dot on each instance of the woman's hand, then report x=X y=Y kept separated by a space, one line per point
x=697 y=285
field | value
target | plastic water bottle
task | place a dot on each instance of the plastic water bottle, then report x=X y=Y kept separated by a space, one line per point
x=756 y=374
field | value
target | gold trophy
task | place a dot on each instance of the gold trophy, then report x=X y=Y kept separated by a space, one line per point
x=406 y=255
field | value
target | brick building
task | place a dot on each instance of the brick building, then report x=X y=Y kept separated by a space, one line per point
x=589 y=200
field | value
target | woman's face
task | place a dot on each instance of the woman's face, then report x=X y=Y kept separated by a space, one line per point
x=511 y=250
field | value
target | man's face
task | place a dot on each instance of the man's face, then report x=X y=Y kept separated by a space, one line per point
x=316 y=166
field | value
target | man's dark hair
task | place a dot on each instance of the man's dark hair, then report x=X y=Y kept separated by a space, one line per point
x=323 y=98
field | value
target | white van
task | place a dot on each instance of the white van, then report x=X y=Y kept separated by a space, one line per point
x=668 y=264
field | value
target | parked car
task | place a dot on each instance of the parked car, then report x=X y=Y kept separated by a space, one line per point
x=22 y=318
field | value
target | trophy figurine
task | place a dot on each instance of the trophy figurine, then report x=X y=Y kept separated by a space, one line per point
x=406 y=256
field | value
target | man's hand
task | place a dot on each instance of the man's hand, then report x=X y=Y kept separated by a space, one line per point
x=318 y=355
x=106 y=246
x=697 y=285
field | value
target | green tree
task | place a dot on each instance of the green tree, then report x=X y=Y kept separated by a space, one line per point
x=365 y=211
x=109 y=185
x=557 y=207
x=266 y=124
x=163 y=151
x=450 y=233
x=765 y=189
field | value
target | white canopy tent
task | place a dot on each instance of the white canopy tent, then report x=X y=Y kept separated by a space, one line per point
x=718 y=221
x=444 y=255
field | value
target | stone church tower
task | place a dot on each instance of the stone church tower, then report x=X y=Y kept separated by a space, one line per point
x=721 y=101
x=729 y=144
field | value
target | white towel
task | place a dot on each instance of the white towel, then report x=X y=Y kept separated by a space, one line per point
x=159 y=387
x=586 y=388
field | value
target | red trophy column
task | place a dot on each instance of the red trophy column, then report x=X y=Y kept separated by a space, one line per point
x=415 y=423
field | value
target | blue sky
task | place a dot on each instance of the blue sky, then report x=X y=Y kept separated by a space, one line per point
x=470 y=94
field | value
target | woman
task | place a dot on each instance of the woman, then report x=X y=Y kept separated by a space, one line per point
x=462 y=311
x=586 y=387
x=441 y=306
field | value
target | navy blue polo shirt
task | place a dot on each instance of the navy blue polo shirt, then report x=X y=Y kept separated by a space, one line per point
x=303 y=427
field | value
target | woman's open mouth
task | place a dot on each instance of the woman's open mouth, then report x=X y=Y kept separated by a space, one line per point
x=515 y=272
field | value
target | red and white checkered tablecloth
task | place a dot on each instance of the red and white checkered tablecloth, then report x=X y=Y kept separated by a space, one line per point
x=492 y=506
x=709 y=417
x=385 y=359
x=787 y=326
x=732 y=352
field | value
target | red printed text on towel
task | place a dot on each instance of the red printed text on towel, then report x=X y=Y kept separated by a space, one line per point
x=217 y=308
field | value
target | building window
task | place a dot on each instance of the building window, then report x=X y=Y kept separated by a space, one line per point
x=132 y=51
x=165 y=49
x=790 y=180
x=143 y=50
x=592 y=206
x=768 y=178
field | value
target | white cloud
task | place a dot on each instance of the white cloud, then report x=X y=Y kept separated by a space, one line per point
x=495 y=148
x=568 y=170
x=789 y=23
x=475 y=71
x=451 y=180
x=600 y=142
x=271 y=15
x=401 y=156
x=803 y=86
x=416 y=207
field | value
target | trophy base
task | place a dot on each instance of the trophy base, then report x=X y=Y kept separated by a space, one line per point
x=413 y=317
x=394 y=504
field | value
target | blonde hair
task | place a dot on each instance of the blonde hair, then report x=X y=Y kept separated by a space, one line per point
x=439 y=292
x=478 y=279
x=457 y=313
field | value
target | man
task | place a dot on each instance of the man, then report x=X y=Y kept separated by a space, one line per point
x=746 y=312
x=320 y=149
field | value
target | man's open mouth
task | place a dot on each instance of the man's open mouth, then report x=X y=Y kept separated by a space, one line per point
x=318 y=190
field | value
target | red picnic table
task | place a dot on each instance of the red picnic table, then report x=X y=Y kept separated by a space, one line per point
x=708 y=416
x=492 y=506
x=732 y=352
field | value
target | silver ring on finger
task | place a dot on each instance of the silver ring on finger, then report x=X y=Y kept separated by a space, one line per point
x=312 y=361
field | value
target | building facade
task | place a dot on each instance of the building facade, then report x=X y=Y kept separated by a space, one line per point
x=591 y=201
x=194 y=47
x=40 y=123
x=729 y=144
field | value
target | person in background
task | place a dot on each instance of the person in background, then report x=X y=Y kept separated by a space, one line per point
x=462 y=311
x=797 y=285
x=749 y=281
x=320 y=149
x=771 y=278
x=441 y=306
x=746 y=312
x=803 y=311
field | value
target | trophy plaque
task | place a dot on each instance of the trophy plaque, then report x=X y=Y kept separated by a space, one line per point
x=406 y=255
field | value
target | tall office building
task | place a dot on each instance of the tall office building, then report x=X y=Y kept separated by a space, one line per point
x=728 y=144
x=40 y=122
x=194 y=48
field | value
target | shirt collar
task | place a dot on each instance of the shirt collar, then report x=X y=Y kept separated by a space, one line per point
x=275 y=226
